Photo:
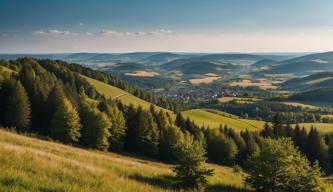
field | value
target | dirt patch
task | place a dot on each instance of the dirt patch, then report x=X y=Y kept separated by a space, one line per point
x=143 y=74
x=205 y=80
x=262 y=84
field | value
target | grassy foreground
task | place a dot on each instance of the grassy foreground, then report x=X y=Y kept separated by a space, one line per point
x=29 y=164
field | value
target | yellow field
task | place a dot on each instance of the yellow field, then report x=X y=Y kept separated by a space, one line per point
x=29 y=164
x=143 y=74
x=213 y=120
x=238 y=99
x=321 y=127
x=262 y=84
x=205 y=80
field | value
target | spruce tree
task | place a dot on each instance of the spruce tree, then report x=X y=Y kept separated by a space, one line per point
x=54 y=100
x=170 y=138
x=118 y=128
x=65 y=124
x=148 y=133
x=189 y=169
x=95 y=125
x=15 y=105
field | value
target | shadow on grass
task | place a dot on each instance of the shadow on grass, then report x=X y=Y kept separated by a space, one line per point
x=165 y=182
x=225 y=188
x=168 y=182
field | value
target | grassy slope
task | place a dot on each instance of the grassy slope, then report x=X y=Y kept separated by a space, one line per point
x=114 y=92
x=199 y=116
x=29 y=164
x=213 y=120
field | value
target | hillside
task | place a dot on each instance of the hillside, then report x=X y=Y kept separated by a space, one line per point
x=301 y=67
x=200 y=117
x=314 y=81
x=116 y=93
x=322 y=95
x=307 y=64
x=30 y=164
x=161 y=58
x=214 y=120
x=199 y=67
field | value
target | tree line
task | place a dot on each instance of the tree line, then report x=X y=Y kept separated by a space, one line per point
x=50 y=99
x=266 y=110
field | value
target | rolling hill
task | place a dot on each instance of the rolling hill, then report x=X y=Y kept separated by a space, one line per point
x=29 y=164
x=124 y=67
x=314 y=81
x=161 y=58
x=199 y=116
x=322 y=95
x=199 y=67
x=213 y=119
x=307 y=64
x=116 y=93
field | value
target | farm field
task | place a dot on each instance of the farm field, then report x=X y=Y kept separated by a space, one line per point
x=321 y=127
x=213 y=120
x=262 y=84
x=30 y=164
x=143 y=74
x=238 y=99
x=205 y=80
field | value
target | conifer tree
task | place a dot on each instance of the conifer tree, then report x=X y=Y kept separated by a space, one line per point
x=148 y=133
x=54 y=100
x=65 y=124
x=118 y=128
x=15 y=105
x=95 y=125
x=189 y=169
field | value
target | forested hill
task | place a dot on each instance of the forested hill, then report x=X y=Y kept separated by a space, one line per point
x=52 y=99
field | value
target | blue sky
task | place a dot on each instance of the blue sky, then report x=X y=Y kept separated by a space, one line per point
x=165 y=25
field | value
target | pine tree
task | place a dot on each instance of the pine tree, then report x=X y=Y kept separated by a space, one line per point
x=220 y=148
x=189 y=169
x=15 y=105
x=148 y=133
x=118 y=128
x=65 y=124
x=268 y=131
x=170 y=138
x=54 y=100
x=95 y=130
x=132 y=131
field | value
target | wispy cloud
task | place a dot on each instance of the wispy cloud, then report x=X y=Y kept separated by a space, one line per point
x=4 y=35
x=136 y=33
x=54 y=32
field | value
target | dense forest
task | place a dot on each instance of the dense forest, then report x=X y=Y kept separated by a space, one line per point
x=266 y=110
x=51 y=98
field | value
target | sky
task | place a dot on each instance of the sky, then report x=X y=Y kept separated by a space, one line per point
x=68 y=26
